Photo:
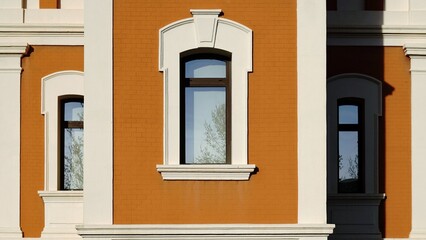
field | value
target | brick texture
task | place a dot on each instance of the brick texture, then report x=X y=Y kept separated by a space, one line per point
x=140 y=194
x=43 y=60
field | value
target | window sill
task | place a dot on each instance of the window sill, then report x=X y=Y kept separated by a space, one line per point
x=62 y=196
x=206 y=172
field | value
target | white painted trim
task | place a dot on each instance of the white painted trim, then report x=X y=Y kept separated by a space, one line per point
x=98 y=103
x=206 y=172
x=417 y=54
x=205 y=29
x=375 y=35
x=10 y=139
x=58 y=16
x=53 y=86
x=64 y=210
x=42 y=34
x=207 y=231
x=311 y=101
x=376 y=28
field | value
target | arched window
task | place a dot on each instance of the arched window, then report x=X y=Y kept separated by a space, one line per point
x=62 y=106
x=354 y=105
x=195 y=58
x=206 y=109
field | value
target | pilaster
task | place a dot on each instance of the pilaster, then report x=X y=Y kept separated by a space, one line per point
x=10 y=84
x=417 y=54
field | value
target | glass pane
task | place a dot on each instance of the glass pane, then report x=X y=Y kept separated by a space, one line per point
x=205 y=68
x=348 y=114
x=74 y=111
x=348 y=162
x=73 y=158
x=205 y=124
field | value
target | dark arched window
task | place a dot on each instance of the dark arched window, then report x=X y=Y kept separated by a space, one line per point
x=205 y=92
x=71 y=142
x=354 y=105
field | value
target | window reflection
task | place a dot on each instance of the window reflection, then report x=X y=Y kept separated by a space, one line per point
x=349 y=149
x=348 y=114
x=205 y=68
x=205 y=119
x=72 y=144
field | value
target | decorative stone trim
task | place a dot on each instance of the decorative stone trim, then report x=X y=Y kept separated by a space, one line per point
x=206 y=172
x=43 y=34
x=417 y=54
x=207 y=231
x=10 y=95
x=415 y=49
x=375 y=35
x=63 y=211
x=205 y=29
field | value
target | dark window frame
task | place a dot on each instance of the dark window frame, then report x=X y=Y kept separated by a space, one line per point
x=360 y=129
x=62 y=100
x=226 y=82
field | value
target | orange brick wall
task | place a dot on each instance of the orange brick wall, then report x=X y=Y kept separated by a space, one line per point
x=49 y=4
x=43 y=60
x=140 y=194
x=390 y=65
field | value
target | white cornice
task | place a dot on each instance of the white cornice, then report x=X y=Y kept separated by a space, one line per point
x=375 y=35
x=206 y=231
x=43 y=34
x=215 y=12
x=413 y=49
x=13 y=48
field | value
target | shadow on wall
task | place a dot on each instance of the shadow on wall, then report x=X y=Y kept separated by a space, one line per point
x=368 y=60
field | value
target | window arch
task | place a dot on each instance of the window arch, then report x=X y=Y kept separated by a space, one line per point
x=365 y=93
x=205 y=107
x=61 y=104
x=205 y=33
x=354 y=104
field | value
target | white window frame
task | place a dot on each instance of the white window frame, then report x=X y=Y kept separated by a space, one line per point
x=63 y=209
x=205 y=30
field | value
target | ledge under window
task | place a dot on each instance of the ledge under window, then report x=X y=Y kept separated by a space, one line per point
x=206 y=172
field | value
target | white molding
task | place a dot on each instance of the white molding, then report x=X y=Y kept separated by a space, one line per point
x=10 y=119
x=98 y=112
x=42 y=34
x=417 y=54
x=205 y=21
x=207 y=231
x=376 y=28
x=52 y=86
x=375 y=35
x=10 y=233
x=311 y=101
x=63 y=211
x=11 y=4
x=72 y=4
x=206 y=172
x=221 y=34
x=58 y=16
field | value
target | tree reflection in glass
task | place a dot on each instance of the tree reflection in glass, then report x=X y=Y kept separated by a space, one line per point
x=205 y=124
x=206 y=86
x=73 y=146
x=349 y=128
